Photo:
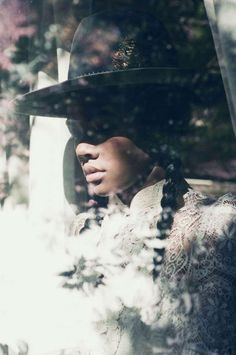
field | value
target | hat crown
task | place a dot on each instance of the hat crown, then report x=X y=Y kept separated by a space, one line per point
x=121 y=50
x=113 y=41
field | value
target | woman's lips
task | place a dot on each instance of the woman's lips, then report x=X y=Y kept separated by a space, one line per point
x=89 y=169
x=95 y=177
x=92 y=174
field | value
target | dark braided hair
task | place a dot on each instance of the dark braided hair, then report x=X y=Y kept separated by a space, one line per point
x=167 y=159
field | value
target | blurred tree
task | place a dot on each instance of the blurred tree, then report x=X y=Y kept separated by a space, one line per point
x=36 y=28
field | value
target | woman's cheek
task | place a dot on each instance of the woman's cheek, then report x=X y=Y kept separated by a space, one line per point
x=113 y=182
x=121 y=173
x=124 y=178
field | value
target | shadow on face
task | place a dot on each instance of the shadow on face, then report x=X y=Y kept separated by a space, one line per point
x=112 y=166
x=116 y=130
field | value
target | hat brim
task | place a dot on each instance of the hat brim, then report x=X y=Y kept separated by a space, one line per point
x=58 y=100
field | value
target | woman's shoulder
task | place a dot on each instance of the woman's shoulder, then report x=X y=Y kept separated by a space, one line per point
x=215 y=209
x=204 y=231
x=216 y=235
x=213 y=218
x=221 y=221
x=200 y=199
x=220 y=214
x=228 y=200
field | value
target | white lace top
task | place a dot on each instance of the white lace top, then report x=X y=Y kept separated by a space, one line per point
x=191 y=309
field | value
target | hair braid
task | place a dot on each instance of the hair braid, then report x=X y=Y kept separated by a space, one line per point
x=171 y=163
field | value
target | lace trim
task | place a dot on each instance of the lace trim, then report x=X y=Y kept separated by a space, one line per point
x=198 y=277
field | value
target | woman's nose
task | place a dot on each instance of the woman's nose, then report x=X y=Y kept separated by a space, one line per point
x=85 y=152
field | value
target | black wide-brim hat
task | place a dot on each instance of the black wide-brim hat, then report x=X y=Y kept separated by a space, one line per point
x=110 y=49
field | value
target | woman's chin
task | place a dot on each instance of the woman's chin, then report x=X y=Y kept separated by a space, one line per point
x=96 y=188
x=102 y=190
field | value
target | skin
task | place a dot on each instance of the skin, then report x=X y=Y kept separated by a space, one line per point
x=116 y=166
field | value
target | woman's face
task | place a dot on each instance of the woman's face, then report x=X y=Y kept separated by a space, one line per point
x=112 y=166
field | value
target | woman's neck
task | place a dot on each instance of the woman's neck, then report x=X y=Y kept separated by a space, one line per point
x=156 y=174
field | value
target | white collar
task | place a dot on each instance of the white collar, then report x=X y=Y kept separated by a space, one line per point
x=146 y=199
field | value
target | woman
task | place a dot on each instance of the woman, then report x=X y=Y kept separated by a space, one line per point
x=160 y=260
x=195 y=299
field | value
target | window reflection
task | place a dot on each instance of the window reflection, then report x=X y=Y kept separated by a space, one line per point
x=147 y=260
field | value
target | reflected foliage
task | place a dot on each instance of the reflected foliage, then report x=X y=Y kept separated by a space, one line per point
x=39 y=27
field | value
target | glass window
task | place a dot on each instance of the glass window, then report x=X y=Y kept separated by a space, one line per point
x=117 y=176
